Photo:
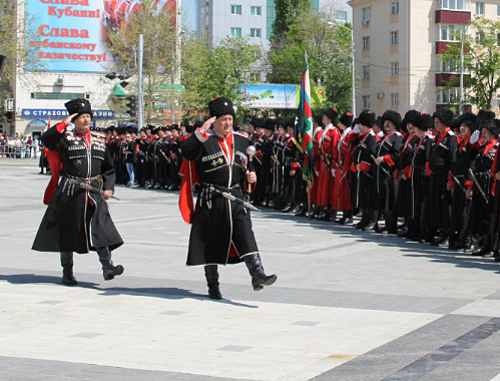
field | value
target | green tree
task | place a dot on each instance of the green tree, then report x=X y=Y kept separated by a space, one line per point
x=481 y=61
x=328 y=47
x=286 y=14
x=160 y=56
x=14 y=32
x=219 y=71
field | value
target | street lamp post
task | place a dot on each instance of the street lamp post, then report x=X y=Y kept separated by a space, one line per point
x=461 y=100
x=353 y=66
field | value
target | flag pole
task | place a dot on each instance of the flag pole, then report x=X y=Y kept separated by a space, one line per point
x=308 y=188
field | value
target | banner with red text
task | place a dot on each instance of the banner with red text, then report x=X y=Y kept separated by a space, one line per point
x=72 y=33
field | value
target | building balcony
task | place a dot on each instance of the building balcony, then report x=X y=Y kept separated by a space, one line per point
x=442 y=79
x=452 y=17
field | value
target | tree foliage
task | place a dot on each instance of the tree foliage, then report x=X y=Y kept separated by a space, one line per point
x=209 y=72
x=286 y=14
x=160 y=54
x=14 y=32
x=328 y=47
x=481 y=61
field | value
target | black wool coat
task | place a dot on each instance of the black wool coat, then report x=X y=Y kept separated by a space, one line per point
x=221 y=230
x=76 y=219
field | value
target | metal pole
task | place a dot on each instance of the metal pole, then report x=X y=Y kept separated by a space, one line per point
x=353 y=75
x=461 y=101
x=140 y=108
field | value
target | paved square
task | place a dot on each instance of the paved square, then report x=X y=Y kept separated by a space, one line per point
x=347 y=305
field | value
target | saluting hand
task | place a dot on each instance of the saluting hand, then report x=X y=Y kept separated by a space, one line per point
x=207 y=124
x=69 y=118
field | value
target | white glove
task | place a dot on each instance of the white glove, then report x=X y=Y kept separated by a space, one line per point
x=333 y=172
x=475 y=137
x=356 y=129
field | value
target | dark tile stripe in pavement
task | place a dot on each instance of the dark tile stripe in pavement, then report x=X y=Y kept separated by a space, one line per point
x=24 y=369
x=170 y=288
x=444 y=347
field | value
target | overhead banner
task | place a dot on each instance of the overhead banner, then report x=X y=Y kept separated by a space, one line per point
x=269 y=95
x=72 y=33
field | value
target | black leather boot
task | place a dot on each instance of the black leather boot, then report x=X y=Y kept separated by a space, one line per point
x=212 y=276
x=259 y=278
x=67 y=264
x=108 y=270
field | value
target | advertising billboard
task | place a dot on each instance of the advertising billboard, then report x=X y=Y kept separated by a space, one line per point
x=72 y=33
x=269 y=95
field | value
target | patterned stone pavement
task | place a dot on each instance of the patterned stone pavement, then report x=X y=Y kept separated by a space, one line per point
x=347 y=305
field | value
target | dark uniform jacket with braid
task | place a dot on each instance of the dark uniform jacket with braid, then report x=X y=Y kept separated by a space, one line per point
x=221 y=230
x=76 y=219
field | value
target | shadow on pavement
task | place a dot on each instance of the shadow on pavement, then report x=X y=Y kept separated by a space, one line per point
x=160 y=292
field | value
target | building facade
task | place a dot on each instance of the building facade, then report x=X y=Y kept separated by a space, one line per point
x=71 y=46
x=397 y=50
x=252 y=19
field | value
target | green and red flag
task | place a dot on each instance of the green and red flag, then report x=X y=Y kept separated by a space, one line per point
x=304 y=126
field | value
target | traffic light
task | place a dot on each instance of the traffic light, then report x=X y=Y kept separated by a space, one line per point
x=131 y=105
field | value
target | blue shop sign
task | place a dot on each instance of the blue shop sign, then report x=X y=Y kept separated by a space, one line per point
x=55 y=113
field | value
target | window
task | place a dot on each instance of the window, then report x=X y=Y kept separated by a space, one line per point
x=255 y=11
x=366 y=43
x=448 y=66
x=394 y=69
x=255 y=32
x=366 y=15
x=450 y=32
x=236 y=32
x=395 y=38
x=366 y=102
x=236 y=9
x=455 y=4
x=479 y=38
x=480 y=8
x=394 y=99
x=394 y=7
x=366 y=72
x=341 y=15
x=498 y=10
x=446 y=96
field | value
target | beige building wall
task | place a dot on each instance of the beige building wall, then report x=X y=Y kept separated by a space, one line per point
x=421 y=74
x=415 y=53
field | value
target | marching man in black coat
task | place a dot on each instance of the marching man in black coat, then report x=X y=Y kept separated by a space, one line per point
x=221 y=230
x=78 y=219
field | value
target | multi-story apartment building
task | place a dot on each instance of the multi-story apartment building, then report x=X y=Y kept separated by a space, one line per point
x=397 y=48
x=253 y=19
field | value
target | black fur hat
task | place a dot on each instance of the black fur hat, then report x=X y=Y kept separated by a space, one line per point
x=492 y=126
x=367 y=118
x=346 y=119
x=409 y=118
x=269 y=124
x=318 y=119
x=220 y=106
x=257 y=122
x=468 y=119
x=483 y=116
x=393 y=116
x=445 y=115
x=78 y=106
x=423 y=121
x=331 y=114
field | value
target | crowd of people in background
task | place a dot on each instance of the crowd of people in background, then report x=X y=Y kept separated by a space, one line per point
x=19 y=147
x=428 y=178
x=422 y=177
